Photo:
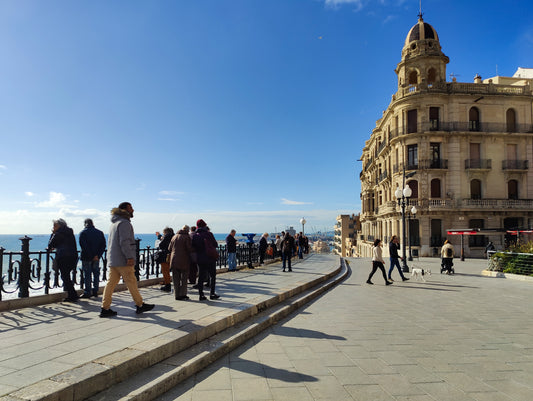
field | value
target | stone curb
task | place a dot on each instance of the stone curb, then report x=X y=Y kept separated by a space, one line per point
x=519 y=277
x=84 y=381
x=179 y=367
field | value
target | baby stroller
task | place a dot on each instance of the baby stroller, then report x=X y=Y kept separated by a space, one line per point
x=447 y=266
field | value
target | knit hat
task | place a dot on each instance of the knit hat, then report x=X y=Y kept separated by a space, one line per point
x=201 y=223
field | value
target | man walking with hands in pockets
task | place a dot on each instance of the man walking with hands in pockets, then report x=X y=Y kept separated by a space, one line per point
x=121 y=260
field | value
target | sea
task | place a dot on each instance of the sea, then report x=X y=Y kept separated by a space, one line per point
x=39 y=242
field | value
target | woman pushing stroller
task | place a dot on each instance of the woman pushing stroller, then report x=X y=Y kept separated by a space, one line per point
x=447 y=258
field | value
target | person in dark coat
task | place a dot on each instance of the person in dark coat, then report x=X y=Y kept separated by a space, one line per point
x=287 y=249
x=92 y=244
x=162 y=254
x=180 y=249
x=263 y=245
x=231 y=247
x=394 y=245
x=201 y=241
x=64 y=242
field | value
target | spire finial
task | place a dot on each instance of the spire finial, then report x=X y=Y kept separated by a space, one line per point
x=420 y=14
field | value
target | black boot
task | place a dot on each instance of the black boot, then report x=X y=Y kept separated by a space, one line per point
x=166 y=288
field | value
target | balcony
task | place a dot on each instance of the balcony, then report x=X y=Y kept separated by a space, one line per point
x=464 y=126
x=478 y=164
x=437 y=164
x=496 y=204
x=517 y=165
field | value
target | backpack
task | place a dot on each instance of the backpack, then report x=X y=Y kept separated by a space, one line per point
x=449 y=252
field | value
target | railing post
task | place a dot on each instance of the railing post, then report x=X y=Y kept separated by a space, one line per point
x=137 y=257
x=1 y=271
x=24 y=273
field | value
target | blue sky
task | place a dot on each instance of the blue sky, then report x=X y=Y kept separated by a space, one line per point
x=249 y=114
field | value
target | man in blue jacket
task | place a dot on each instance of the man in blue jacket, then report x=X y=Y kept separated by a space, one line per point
x=92 y=243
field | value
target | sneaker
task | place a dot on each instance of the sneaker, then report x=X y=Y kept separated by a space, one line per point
x=144 y=308
x=203 y=298
x=405 y=278
x=214 y=296
x=107 y=313
x=388 y=283
x=369 y=282
x=390 y=279
x=86 y=296
x=166 y=288
x=182 y=298
x=69 y=299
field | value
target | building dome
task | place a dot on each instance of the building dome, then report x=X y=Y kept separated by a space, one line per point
x=421 y=31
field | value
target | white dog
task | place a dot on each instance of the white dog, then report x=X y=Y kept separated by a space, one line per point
x=419 y=273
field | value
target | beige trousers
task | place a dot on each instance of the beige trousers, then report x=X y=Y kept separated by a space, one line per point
x=128 y=274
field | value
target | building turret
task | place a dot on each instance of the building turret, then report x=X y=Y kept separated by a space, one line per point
x=423 y=62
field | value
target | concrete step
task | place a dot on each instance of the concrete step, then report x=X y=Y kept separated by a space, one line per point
x=155 y=380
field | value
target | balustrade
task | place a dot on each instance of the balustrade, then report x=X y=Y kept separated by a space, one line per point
x=29 y=271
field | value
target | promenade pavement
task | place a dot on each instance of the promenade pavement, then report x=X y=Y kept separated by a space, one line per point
x=454 y=337
x=65 y=351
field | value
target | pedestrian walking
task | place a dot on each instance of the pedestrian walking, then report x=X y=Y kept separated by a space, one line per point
x=231 y=248
x=121 y=253
x=287 y=247
x=205 y=244
x=377 y=262
x=63 y=241
x=447 y=254
x=92 y=244
x=394 y=245
x=301 y=245
x=180 y=261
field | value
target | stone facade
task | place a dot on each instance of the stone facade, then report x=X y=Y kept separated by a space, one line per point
x=463 y=149
x=345 y=234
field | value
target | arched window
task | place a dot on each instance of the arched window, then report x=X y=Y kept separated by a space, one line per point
x=432 y=76
x=473 y=119
x=413 y=184
x=435 y=188
x=475 y=189
x=510 y=118
x=413 y=78
x=512 y=189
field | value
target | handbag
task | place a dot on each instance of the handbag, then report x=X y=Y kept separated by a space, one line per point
x=210 y=250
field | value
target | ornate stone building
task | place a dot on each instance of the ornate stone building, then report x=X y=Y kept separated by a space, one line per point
x=346 y=228
x=462 y=148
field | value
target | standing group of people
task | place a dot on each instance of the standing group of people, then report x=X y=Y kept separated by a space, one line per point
x=189 y=254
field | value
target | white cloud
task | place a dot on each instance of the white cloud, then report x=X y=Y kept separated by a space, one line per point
x=56 y=199
x=359 y=4
x=170 y=193
x=29 y=193
x=291 y=202
x=2 y=168
x=169 y=196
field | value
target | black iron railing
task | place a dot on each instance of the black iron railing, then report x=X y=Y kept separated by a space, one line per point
x=26 y=270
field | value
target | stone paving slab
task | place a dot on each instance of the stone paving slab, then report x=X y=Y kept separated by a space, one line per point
x=454 y=337
x=53 y=346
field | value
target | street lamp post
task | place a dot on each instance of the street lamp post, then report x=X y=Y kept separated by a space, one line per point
x=403 y=198
x=303 y=225
x=413 y=213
